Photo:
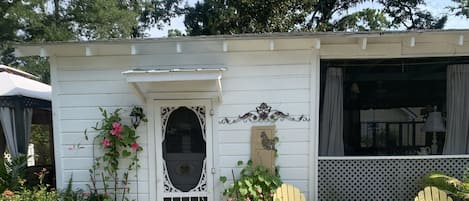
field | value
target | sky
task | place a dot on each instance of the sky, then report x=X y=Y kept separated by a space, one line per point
x=436 y=7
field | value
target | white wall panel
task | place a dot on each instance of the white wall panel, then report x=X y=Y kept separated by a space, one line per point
x=279 y=78
x=97 y=100
x=84 y=175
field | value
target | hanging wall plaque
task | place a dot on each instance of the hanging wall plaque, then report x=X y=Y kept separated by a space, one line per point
x=263 y=149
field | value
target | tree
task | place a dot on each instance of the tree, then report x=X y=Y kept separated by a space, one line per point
x=156 y=13
x=322 y=13
x=29 y=21
x=408 y=14
x=103 y=19
x=250 y=16
x=247 y=16
x=32 y=21
x=174 y=33
x=365 y=20
x=35 y=65
x=462 y=8
x=18 y=17
x=48 y=26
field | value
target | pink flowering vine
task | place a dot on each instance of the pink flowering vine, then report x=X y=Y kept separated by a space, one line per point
x=135 y=146
x=118 y=142
x=106 y=142
x=116 y=128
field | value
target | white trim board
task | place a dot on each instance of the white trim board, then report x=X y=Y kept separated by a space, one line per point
x=172 y=75
x=391 y=157
x=314 y=124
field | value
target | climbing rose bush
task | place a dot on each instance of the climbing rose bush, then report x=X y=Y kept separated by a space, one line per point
x=117 y=142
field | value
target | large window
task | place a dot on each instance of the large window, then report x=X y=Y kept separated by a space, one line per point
x=384 y=106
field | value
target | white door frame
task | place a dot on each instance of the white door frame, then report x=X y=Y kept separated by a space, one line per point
x=158 y=154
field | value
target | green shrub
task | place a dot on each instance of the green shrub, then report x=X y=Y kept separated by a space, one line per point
x=254 y=183
x=12 y=172
x=68 y=194
x=37 y=193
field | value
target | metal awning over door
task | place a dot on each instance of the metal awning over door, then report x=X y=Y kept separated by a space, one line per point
x=142 y=76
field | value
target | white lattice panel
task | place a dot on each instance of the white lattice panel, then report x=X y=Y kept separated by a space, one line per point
x=380 y=179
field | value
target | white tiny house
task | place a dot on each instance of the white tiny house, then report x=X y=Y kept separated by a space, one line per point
x=354 y=108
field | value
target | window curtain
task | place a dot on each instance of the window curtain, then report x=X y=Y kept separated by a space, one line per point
x=331 y=142
x=3 y=143
x=7 y=119
x=457 y=126
x=28 y=120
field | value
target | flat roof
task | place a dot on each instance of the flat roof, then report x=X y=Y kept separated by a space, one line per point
x=249 y=37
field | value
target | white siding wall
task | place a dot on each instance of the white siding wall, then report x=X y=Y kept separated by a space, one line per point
x=80 y=87
x=279 y=78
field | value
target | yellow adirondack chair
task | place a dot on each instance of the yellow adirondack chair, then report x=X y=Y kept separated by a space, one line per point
x=288 y=192
x=431 y=193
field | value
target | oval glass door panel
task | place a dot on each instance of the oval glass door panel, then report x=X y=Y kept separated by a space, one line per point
x=184 y=149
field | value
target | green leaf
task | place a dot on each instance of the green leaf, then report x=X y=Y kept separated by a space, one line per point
x=243 y=191
x=248 y=183
x=86 y=135
x=223 y=179
x=240 y=163
x=277 y=182
x=250 y=163
x=252 y=191
x=260 y=178
x=125 y=153
x=127 y=141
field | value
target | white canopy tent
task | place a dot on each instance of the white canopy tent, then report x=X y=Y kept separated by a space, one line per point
x=17 y=85
x=19 y=94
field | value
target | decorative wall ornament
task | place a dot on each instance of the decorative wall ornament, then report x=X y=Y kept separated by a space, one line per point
x=263 y=113
x=263 y=150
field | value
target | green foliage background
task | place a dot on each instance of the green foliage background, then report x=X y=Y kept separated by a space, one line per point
x=63 y=20
x=59 y=20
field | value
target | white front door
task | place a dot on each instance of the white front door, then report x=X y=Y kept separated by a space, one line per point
x=183 y=131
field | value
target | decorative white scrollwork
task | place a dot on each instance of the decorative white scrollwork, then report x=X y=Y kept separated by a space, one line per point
x=165 y=113
x=200 y=112
x=202 y=185
x=168 y=186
